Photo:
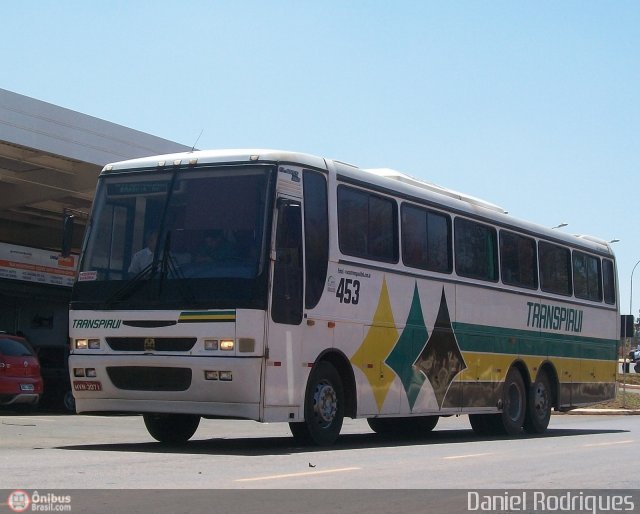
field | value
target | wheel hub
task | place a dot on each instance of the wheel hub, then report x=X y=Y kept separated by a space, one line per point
x=325 y=403
x=540 y=400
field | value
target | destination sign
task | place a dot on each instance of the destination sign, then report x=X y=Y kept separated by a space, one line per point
x=137 y=188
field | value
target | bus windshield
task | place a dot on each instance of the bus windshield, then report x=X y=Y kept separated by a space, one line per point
x=194 y=237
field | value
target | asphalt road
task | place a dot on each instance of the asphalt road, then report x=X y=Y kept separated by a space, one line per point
x=87 y=452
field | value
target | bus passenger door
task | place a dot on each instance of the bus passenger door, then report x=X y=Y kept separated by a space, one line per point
x=282 y=383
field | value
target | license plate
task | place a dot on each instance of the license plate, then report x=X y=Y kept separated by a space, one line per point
x=26 y=387
x=87 y=385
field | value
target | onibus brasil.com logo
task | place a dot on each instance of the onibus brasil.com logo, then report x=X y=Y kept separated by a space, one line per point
x=22 y=501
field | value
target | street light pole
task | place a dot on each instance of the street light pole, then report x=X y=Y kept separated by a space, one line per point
x=631 y=289
x=624 y=352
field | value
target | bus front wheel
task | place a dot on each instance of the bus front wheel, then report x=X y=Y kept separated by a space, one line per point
x=171 y=428
x=323 y=407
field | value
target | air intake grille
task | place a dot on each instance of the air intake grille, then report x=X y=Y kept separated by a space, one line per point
x=143 y=378
x=160 y=344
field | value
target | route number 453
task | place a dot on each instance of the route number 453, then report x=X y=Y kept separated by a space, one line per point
x=348 y=291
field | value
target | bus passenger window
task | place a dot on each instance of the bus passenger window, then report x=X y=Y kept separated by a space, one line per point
x=587 y=277
x=518 y=260
x=555 y=269
x=367 y=225
x=426 y=239
x=476 y=250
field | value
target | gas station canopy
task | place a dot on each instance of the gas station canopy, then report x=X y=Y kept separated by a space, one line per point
x=50 y=158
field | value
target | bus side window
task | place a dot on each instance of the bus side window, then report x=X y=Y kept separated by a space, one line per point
x=587 y=276
x=518 y=260
x=316 y=234
x=609 y=277
x=476 y=250
x=286 y=304
x=555 y=269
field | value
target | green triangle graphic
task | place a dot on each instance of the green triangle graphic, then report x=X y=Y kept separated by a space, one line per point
x=407 y=350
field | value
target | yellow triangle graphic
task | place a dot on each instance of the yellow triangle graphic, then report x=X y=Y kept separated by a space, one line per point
x=380 y=339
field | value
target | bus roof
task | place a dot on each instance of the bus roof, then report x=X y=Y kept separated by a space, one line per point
x=382 y=177
x=218 y=157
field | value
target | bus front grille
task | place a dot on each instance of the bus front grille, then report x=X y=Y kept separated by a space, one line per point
x=160 y=344
x=142 y=378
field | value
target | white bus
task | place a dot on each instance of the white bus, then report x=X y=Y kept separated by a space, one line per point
x=283 y=287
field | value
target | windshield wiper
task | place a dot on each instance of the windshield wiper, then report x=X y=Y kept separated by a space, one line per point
x=169 y=266
x=145 y=275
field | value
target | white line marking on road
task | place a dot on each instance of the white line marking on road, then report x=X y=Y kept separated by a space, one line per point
x=25 y=418
x=627 y=441
x=468 y=456
x=291 y=475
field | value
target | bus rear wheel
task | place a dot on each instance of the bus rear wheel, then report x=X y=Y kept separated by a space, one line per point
x=171 y=428
x=323 y=407
x=538 y=406
x=514 y=402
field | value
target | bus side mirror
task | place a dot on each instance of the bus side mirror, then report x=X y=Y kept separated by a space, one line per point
x=67 y=235
x=626 y=325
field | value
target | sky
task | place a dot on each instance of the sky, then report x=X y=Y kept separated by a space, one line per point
x=534 y=106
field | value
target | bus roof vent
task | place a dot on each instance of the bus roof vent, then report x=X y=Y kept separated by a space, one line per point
x=430 y=186
x=593 y=239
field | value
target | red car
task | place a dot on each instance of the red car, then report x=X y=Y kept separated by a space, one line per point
x=20 y=379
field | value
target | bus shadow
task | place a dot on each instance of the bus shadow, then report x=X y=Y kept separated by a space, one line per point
x=276 y=446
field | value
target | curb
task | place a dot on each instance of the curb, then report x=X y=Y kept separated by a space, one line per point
x=604 y=412
x=607 y=412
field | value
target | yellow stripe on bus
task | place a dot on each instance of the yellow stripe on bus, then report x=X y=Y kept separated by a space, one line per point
x=492 y=367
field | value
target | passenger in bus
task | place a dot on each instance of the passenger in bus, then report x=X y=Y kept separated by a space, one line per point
x=143 y=258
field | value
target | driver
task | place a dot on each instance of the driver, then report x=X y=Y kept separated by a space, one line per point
x=143 y=258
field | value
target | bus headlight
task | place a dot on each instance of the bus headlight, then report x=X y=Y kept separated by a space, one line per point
x=87 y=344
x=227 y=345
x=211 y=344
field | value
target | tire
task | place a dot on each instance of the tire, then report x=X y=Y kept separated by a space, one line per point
x=382 y=426
x=481 y=423
x=69 y=402
x=636 y=368
x=424 y=424
x=323 y=407
x=409 y=426
x=538 y=412
x=514 y=403
x=171 y=428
